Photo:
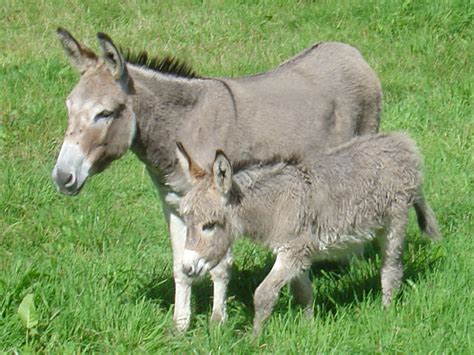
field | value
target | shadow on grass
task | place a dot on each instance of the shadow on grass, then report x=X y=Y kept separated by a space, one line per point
x=337 y=284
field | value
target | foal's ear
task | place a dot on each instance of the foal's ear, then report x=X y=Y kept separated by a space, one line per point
x=113 y=58
x=190 y=168
x=222 y=173
x=80 y=56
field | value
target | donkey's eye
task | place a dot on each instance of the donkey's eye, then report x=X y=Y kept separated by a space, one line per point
x=103 y=115
x=209 y=226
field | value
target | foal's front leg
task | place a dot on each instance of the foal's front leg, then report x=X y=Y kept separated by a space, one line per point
x=221 y=275
x=283 y=271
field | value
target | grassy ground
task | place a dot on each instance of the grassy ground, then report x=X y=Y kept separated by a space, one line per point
x=99 y=265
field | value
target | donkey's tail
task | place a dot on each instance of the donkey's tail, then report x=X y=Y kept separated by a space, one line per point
x=426 y=219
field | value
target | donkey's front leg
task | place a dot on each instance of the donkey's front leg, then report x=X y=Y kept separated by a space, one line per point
x=182 y=299
x=221 y=275
x=266 y=295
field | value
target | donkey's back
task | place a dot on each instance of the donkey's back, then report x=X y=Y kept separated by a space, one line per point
x=328 y=91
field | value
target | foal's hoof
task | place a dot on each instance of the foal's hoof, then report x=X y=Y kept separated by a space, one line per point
x=308 y=313
x=256 y=330
x=256 y=333
x=218 y=318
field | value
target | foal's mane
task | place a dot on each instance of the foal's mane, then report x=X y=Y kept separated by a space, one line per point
x=166 y=65
x=255 y=163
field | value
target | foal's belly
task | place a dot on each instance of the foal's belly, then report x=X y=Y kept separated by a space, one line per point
x=341 y=246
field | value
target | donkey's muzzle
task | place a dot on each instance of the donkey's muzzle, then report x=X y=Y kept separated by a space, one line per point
x=71 y=169
x=66 y=182
x=64 y=178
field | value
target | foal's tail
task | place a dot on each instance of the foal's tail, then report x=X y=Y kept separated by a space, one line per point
x=426 y=219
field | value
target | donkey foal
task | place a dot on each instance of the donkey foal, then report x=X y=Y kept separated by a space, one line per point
x=321 y=208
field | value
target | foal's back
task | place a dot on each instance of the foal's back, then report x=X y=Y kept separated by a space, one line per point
x=346 y=191
x=358 y=183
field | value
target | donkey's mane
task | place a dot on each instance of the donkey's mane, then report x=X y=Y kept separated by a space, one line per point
x=255 y=163
x=166 y=65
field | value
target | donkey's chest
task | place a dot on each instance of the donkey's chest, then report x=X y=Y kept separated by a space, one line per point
x=167 y=186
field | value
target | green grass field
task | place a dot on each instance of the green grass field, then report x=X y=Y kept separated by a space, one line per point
x=99 y=265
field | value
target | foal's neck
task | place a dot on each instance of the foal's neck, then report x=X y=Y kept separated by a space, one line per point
x=265 y=193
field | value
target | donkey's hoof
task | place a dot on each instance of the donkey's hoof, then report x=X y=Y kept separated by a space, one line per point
x=181 y=324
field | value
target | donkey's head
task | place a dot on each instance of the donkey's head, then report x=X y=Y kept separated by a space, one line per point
x=207 y=210
x=101 y=123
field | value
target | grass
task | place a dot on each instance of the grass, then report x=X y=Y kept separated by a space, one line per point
x=99 y=265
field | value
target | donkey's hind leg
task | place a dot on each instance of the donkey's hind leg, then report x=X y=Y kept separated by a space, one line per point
x=392 y=263
x=221 y=275
x=303 y=293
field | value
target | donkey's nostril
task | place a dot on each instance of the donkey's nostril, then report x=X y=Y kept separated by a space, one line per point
x=65 y=178
x=71 y=181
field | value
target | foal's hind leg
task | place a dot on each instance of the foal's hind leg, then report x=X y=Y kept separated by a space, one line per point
x=303 y=293
x=392 y=264
x=221 y=275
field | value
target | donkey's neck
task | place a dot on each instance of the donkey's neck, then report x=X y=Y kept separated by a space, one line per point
x=161 y=104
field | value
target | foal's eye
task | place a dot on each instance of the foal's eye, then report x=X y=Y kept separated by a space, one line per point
x=103 y=115
x=209 y=226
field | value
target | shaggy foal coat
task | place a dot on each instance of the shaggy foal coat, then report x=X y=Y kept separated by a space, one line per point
x=304 y=210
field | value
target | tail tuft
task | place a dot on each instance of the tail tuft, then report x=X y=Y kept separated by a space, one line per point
x=427 y=219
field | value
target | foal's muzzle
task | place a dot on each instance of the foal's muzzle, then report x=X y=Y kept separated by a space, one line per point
x=193 y=265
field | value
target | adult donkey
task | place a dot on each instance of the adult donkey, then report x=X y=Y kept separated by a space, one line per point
x=322 y=97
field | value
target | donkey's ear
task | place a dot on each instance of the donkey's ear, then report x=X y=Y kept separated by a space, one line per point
x=190 y=168
x=80 y=56
x=112 y=57
x=222 y=173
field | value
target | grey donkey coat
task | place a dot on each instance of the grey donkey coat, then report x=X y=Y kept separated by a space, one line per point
x=319 y=208
x=319 y=98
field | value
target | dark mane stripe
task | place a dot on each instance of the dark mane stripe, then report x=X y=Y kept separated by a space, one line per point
x=167 y=65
